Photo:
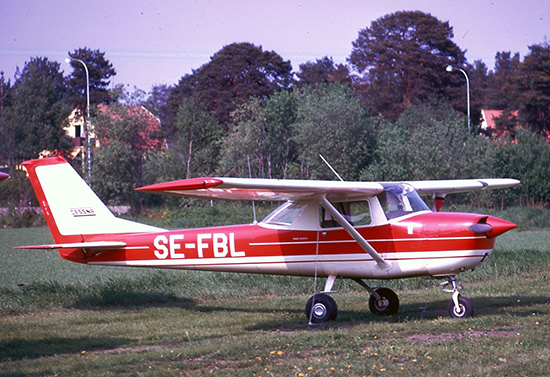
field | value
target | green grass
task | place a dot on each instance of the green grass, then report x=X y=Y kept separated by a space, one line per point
x=62 y=318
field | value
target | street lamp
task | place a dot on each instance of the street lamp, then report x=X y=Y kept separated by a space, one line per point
x=450 y=69
x=88 y=145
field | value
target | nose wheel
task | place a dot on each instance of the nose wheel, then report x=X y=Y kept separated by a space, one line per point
x=464 y=309
x=459 y=307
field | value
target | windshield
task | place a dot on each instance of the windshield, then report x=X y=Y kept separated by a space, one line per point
x=400 y=199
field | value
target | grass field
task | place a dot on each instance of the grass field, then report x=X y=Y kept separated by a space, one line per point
x=61 y=318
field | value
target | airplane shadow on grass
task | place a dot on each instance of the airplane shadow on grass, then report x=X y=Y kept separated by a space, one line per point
x=484 y=306
x=116 y=299
x=18 y=349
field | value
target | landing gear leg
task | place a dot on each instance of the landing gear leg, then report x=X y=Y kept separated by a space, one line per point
x=459 y=307
x=382 y=301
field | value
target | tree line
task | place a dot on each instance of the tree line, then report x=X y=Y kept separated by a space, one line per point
x=393 y=112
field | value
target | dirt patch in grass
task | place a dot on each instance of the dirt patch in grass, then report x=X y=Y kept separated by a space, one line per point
x=447 y=337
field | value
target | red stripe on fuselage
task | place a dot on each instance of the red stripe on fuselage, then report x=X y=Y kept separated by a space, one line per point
x=258 y=241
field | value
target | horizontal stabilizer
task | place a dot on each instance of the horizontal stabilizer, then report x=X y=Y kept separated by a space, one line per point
x=98 y=245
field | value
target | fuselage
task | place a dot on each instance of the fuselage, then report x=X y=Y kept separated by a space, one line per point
x=419 y=244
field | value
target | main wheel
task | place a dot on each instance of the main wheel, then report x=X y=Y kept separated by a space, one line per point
x=388 y=304
x=321 y=308
x=465 y=308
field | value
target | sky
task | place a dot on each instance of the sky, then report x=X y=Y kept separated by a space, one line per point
x=157 y=42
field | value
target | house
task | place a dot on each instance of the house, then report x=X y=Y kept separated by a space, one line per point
x=489 y=125
x=489 y=122
x=76 y=128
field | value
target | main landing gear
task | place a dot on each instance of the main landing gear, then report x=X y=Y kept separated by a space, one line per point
x=322 y=308
x=383 y=301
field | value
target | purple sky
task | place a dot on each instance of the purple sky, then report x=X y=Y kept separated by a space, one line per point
x=157 y=42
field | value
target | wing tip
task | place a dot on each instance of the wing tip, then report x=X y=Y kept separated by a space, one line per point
x=183 y=184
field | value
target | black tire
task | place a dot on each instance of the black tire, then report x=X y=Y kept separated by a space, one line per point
x=321 y=308
x=388 y=303
x=466 y=308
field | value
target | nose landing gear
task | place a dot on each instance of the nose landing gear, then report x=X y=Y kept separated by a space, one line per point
x=459 y=307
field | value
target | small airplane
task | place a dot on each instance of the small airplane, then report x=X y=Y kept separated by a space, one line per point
x=332 y=229
x=3 y=176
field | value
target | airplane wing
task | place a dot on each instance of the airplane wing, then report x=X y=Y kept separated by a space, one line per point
x=263 y=189
x=440 y=188
x=3 y=176
x=289 y=189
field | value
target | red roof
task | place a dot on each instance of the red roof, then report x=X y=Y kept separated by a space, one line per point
x=488 y=118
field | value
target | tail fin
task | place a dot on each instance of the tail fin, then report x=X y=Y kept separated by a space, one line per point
x=72 y=210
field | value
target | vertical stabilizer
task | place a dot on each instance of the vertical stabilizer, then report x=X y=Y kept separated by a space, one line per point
x=72 y=210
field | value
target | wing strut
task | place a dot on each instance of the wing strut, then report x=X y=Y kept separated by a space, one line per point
x=382 y=263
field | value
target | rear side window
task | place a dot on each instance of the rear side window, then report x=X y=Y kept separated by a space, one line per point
x=357 y=213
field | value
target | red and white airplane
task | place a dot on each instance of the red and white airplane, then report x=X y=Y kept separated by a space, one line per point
x=332 y=229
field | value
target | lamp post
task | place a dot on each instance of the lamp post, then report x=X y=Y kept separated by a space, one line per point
x=88 y=145
x=450 y=68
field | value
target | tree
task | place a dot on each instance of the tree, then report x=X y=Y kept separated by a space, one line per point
x=38 y=111
x=428 y=141
x=125 y=134
x=330 y=121
x=280 y=112
x=158 y=100
x=196 y=138
x=526 y=159
x=246 y=141
x=402 y=58
x=478 y=89
x=534 y=100
x=502 y=84
x=114 y=178
x=5 y=147
x=260 y=132
x=234 y=74
x=323 y=71
x=100 y=70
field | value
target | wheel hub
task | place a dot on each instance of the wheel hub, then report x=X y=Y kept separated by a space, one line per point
x=382 y=303
x=319 y=310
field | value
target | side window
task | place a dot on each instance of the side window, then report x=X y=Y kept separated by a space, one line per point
x=285 y=216
x=357 y=213
x=360 y=213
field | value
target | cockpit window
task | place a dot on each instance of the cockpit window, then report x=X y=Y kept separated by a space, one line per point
x=357 y=213
x=284 y=215
x=400 y=199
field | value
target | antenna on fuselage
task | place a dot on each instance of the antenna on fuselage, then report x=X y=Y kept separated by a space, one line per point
x=330 y=167
x=250 y=176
